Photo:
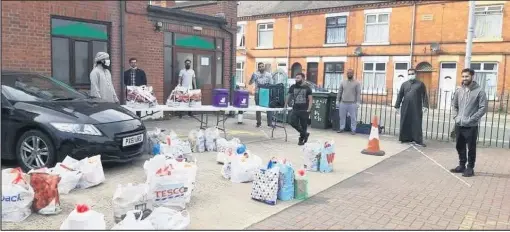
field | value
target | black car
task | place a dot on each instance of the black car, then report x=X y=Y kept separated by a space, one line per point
x=45 y=120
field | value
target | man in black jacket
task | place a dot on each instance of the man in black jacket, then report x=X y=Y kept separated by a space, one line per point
x=134 y=76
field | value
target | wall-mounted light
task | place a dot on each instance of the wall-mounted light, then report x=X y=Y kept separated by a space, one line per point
x=196 y=28
x=158 y=26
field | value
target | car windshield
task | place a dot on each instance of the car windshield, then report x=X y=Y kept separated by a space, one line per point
x=34 y=87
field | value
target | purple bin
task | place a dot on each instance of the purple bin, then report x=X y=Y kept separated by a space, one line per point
x=220 y=98
x=241 y=98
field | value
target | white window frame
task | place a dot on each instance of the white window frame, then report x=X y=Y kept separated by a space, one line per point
x=241 y=36
x=385 y=41
x=489 y=10
x=380 y=90
x=491 y=95
x=344 y=26
x=266 y=25
x=325 y=82
x=283 y=65
x=240 y=80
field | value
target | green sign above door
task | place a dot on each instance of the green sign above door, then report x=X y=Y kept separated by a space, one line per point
x=193 y=41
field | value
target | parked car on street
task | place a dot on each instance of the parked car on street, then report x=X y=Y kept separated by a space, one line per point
x=44 y=120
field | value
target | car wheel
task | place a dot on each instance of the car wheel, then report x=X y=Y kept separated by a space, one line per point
x=34 y=149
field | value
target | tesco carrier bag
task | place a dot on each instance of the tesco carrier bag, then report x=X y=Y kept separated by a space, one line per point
x=131 y=197
x=17 y=195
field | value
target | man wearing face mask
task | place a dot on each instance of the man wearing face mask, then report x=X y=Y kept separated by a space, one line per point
x=348 y=101
x=134 y=76
x=413 y=98
x=187 y=76
x=469 y=104
x=101 y=85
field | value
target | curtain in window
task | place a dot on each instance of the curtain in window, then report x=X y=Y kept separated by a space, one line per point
x=239 y=76
x=377 y=33
x=332 y=81
x=335 y=35
x=265 y=38
x=488 y=83
x=374 y=82
x=488 y=26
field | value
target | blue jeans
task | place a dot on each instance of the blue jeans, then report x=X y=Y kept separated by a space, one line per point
x=350 y=108
x=258 y=115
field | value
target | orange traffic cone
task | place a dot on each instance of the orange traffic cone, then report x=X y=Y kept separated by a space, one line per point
x=373 y=140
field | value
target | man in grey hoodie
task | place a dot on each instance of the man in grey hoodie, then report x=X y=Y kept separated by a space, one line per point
x=469 y=104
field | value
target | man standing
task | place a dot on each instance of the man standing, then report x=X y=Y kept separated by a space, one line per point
x=469 y=104
x=413 y=97
x=187 y=76
x=348 y=100
x=261 y=77
x=300 y=96
x=134 y=76
x=101 y=79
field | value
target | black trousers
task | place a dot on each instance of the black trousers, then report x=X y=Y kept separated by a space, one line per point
x=299 y=121
x=466 y=136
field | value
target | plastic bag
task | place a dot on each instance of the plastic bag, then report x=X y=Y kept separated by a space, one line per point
x=131 y=197
x=134 y=220
x=172 y=184
x=195 y=97
x=46 y=196
x=226 y=149
x=312 y=154
x=286 y=181
x=92 y=170
x=83 y=218
x=301 y=185
x=211 y=135
x=244 y=167
x=69 y=178
x=265 y=185
x=201 y=141
x=17 y=195
x=140 y=96
x=168 y=219
x=327 y=157
x=178 y=97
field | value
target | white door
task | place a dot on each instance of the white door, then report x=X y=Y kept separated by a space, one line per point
x=447 y=80
x=399 y=77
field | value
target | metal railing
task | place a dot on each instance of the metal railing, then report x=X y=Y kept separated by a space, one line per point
x=438 y=123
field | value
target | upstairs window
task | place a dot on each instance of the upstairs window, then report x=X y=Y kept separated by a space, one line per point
x=336 y=30
x=377 y=28
x=265 y=35
x=488 y=22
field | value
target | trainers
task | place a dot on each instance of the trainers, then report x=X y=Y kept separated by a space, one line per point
x=340 y=131
x=301 y=143
x=258 y=125
x=353 y=133
x=305 y=139
x=419 y=144
x=469 y=172
x=458 y=169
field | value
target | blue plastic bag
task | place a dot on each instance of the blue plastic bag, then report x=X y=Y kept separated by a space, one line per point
x=286 y=182
x=327 y=157
x=264 y=97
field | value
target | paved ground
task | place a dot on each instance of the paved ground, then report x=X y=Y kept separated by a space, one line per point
x=409 y=191
x=217 y=203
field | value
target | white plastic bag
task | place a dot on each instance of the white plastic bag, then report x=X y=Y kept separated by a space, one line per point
x=17 y=195
x=312 y=154
x=131 y=197
x=168 y=219
x=243 y=168
x=92 y=170
x=134 y=222
x=201 y=141
x=69 y=178
x=226 y=149
x=83 y=218
x=153 y=164
x=226 y=170
x=211 y=135
x=170 y=190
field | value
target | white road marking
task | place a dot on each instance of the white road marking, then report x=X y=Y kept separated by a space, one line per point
x=438 y=164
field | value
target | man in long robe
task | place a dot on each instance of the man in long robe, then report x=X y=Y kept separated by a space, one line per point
x=413 y=98
x=101 y=85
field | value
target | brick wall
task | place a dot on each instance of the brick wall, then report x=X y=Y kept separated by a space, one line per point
x=448 y=27
x=26 y=40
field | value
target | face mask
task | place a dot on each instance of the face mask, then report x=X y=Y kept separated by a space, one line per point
x=412 y=77
x=107 y=62
x=187 y=66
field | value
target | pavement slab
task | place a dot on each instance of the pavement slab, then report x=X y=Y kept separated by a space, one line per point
x=219 y=204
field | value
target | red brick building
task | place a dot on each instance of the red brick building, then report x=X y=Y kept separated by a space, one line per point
x=61 y=38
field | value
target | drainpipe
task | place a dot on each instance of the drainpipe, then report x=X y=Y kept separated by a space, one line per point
x=470 y=32
x=412 y=34
x=232 y=54
x=288 y=43
x=122 y=5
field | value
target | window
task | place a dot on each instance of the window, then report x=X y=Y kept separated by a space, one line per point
x=283 y=67
x=241 y=35
x=74 y=44
x=374 y=77
x=265 y=35
x=240 y=72
x=377 y=28
x=486 y=75
x=336 y=30
x=333 y=75
x=488 y=22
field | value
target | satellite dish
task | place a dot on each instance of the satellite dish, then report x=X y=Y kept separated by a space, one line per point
x=435 y=47
x=358 y=51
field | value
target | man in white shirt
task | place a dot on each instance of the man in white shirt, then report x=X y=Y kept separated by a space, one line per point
x=187 y=76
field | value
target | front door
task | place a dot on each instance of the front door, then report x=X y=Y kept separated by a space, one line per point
x=447 y=80
x=399 y=77
x=203 y=63
x=312 y=72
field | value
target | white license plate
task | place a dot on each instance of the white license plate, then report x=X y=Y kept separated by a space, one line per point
x=131 y=140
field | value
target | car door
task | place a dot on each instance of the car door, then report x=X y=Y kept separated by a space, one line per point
x=7 y=115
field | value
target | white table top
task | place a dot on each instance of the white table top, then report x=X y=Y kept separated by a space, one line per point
x=204 y=108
